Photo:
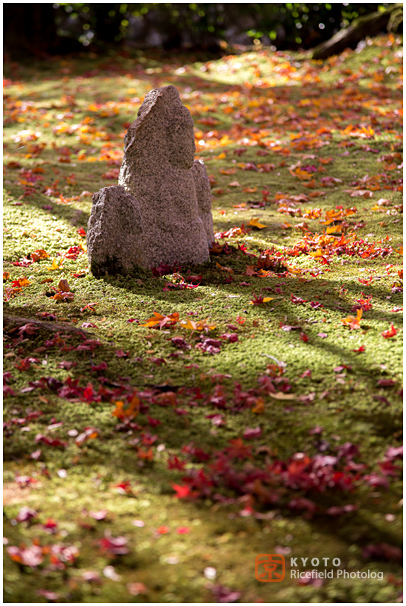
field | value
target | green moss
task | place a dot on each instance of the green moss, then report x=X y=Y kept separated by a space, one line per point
x=350 y=404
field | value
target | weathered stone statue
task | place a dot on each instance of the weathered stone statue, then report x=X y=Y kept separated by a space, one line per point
x=161 y=210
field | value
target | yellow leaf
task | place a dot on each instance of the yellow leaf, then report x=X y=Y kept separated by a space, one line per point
x=333 y=229
x=257 y=224
x=55 y=264
x=189 y=325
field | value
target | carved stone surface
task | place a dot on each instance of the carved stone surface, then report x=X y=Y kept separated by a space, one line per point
x=114 y=232
x=203 y=194
x=161 y=210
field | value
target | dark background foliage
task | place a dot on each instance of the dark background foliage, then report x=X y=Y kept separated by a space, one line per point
x=47 y=29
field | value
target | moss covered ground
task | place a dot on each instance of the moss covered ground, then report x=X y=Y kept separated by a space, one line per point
x=155 y=463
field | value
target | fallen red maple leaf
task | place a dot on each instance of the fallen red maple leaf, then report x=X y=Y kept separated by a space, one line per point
x=113 y=545
x=297 y=300
x=391 y=332
x=124 y=487
x=239 y=450
x=182 y=491
x=175 y=463
x=50 y=441
x=259 y=299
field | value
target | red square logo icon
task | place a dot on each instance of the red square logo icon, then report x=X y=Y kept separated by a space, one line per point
x=270 y=568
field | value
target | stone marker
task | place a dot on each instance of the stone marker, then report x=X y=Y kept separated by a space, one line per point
x=161 y=210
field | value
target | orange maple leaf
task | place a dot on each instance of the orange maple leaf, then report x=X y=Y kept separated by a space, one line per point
x=352 y=322
x=259 y=406
x=200 y=325
x=303 y=175
x=228 y=171
x=39 y=254
x=223 y=268
x=159 y=320
x=147 y=455
x=127 y=410
x=256 y=223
